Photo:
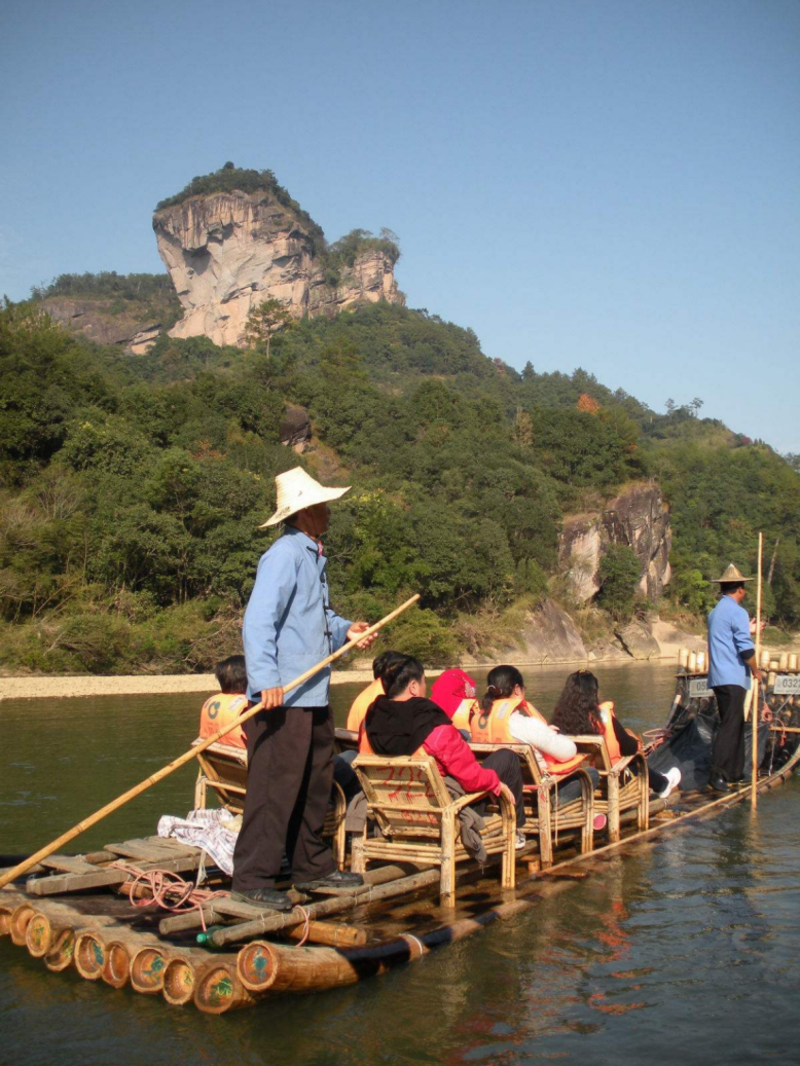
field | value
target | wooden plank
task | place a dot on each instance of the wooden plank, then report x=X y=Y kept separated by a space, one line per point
x=146 y=852
x=52 y=886
x=69 y=864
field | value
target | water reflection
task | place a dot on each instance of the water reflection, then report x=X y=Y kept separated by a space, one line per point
x=686 y=947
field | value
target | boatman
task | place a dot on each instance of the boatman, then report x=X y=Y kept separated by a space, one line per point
x=731 y=661
x=289 y=626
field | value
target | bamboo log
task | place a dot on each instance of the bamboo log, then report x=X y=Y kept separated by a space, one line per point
x=42 y=933
x=692 y=662
x=159 y=775
x=755 y=686
x=62 y=954
x=18 y=924
x=90 y=955
x=219 y=990
x=333 y=905
x=117 y=969
x=683 y=658
x=179 y=981
x=793 y=662
x=5 y=920
x=783 y=662
x=147 y=970
x=764 y=660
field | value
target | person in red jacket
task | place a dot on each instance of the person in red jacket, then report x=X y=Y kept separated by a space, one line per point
x=405 y=720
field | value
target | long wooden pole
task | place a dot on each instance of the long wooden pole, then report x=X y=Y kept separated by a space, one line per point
x=93 y=819
x=756 y=693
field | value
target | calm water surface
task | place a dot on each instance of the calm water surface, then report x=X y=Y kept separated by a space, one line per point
x=684 y=952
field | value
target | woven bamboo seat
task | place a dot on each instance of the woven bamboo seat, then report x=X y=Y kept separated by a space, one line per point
x=545 y=816
x=223 y=768
x=621 y=789
x=418 y=820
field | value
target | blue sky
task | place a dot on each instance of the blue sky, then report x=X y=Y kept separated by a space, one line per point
x=597 y=183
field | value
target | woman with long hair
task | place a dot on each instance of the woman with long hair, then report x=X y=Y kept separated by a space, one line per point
x=405 y=720
x=579 y=713
x=504 y=716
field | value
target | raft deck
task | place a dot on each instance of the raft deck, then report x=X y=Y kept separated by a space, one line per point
x=75 y=912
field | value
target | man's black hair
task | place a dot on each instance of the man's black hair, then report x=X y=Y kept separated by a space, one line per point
x=398 y=674
x=232 y=675
x=726 y=587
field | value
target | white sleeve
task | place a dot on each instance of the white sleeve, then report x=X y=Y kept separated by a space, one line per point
x=539 y=735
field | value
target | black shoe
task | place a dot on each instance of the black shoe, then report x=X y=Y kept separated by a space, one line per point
x=337 y=879
x=269 y=897
x=717 y=783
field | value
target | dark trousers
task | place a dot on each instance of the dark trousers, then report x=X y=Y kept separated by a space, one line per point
x=727 y=755
x=289 y=775
x=506 y=765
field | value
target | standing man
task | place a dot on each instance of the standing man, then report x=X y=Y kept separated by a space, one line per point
x=731 y=661
x=289 y=626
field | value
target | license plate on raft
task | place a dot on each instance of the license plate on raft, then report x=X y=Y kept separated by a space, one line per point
x=787 y=685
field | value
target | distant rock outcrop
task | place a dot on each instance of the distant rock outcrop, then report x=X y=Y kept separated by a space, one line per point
x=638 y=518
x=227 y=252
x=94 y=319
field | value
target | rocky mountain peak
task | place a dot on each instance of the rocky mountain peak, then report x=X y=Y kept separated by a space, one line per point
x=236 y=238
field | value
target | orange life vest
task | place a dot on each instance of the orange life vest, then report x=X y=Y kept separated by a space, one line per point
x=607 y=722
x=362 y=703
x=495 y=727
x=220 y=710
x=464 y=713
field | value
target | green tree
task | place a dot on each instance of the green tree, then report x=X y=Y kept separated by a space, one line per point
x=265 y=321
x=620 y=571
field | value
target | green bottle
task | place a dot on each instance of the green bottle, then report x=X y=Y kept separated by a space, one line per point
x=204 y=938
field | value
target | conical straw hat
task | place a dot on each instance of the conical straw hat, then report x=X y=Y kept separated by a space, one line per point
x=732 y=575
x=297 y=490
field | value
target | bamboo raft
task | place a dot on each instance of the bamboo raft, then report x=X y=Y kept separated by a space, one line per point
x=79 y=912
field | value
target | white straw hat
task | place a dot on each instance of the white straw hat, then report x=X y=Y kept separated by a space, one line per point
x=297 y=490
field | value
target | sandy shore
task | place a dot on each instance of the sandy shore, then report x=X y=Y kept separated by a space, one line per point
x=20 y=688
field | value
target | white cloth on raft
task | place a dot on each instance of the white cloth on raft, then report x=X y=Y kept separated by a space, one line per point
x=214 y=830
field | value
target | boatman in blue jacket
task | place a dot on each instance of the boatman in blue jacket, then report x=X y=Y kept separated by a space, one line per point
x=289 y=626
x=731 y=661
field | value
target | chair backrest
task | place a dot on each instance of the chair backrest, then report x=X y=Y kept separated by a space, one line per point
x=405 y=793
x=225 y=768
x=596 y=746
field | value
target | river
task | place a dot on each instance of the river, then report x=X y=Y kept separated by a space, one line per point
x=683 y=952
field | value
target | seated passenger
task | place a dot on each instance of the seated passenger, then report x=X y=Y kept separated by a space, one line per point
x=226 y=706
x=404 y=722
x=454 y=692
x=579 y=712
x=364 y=700
x=505 y=717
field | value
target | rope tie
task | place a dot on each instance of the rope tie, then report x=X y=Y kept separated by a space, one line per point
x=168 y=890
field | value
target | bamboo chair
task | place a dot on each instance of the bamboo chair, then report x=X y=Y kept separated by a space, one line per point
x=223 y=768
x=545 y=816
x=620 y=788
x=408 y=798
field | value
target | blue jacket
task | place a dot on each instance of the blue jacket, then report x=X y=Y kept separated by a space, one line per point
x=289 y=625
x=729 y=644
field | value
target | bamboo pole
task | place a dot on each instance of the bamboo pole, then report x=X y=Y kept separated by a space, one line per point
x=756 y=694
x=120 y=801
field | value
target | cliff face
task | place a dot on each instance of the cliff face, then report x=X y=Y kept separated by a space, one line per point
x=134 y=327
x=639 y=518
x=228 y=252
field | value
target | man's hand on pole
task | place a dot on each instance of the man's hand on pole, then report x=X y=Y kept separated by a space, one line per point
x=271 y=698
x=360 y=627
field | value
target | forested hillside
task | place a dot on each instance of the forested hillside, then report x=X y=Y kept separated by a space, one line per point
x=132 y=487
